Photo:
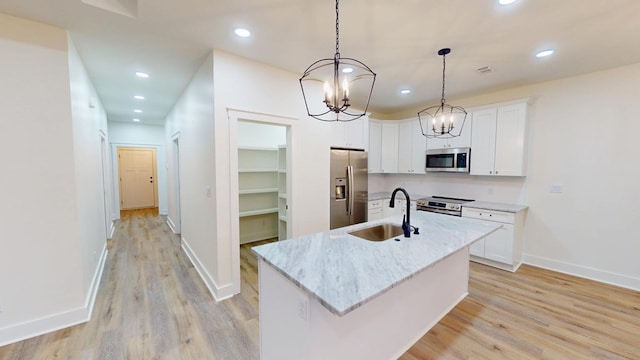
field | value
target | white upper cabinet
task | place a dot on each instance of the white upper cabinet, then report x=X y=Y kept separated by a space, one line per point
x=484 y=141
x=350 y=134
x=498 y=140
x=462 y=141
x=411 y=148
x=383 y=146
x=375 y=146
x=389 y=155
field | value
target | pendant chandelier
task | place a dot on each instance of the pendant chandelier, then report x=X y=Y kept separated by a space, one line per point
x=444 y=120
x=346 y=82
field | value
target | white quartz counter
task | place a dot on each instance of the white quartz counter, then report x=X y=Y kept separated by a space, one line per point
x=387 y=195
x=343 y=272
x=513 y=208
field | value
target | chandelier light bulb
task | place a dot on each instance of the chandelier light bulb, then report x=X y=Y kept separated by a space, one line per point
x=345 y=88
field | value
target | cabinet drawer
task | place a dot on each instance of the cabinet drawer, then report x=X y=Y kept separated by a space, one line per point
x=375 y=204
x=375 y=214
x=491 y=215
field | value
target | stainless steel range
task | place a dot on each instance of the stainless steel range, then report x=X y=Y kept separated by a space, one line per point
x=442 y=205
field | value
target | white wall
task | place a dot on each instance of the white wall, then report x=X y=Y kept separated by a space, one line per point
x=50 y=250
x=582 y=132
x=200 y=117
x=252 y=134
x=139 y=135
x=241 y=84
x=192 y=120
x=89 y=127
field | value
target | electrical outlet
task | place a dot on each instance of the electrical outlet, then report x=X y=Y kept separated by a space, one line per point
x=556 y=188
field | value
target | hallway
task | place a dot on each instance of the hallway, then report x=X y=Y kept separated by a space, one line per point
x=153 y=305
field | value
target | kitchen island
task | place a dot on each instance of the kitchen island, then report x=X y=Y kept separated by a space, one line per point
x=332 y=295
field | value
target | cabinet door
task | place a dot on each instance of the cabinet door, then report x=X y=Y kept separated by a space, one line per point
x=398 y=208
x=418 y=149
x=477 y=248
x=375 y=214
x=498 y=246
x=338 y=134
x=437 y=143
x=355 y=133
x=510 y=140
x=404 y=147
x=375 y=146
x=483 y=139
x=389 y=155
x=464 y=140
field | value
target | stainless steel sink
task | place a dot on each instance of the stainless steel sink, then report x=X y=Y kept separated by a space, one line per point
x=378 y=232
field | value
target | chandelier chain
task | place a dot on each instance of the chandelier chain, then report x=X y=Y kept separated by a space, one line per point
x=337 y=28
x=444 y=66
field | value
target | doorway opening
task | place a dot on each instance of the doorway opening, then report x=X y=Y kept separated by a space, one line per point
x=138 y=186
x=173 y=218
x=106 y=187
x=261 y=195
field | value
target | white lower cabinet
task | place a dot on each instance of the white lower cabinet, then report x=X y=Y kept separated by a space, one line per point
x=379 y=209
x=375 y=211
x=399 y=208
x=502 y=248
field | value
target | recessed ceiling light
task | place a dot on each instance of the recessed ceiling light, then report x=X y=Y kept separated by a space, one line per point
x=506 y=2
x=405 y=91
x=139 y=97
x=544 y=53
x=141 y=74
x=136 y=120
x=137 y=111
x=242 y=32
x=347 y=70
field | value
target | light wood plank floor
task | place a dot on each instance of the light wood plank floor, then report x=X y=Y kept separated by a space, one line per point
x=153 y=305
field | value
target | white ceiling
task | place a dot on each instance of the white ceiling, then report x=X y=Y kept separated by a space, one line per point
x=397 y=39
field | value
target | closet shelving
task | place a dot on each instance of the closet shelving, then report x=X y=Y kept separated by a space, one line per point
x=258 y=178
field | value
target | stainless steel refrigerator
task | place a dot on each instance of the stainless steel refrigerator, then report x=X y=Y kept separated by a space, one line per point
x=349 y=183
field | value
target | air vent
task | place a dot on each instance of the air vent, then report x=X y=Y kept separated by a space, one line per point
x=484 y=70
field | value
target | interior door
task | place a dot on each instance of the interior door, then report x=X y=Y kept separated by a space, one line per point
x=137 y=168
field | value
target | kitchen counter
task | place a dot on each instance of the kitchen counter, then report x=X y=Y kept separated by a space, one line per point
x=324 y=295
x=513 y=208
x=387 y=195
x=343 y=272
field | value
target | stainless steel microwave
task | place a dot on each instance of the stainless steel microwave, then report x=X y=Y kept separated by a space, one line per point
x=448 y=160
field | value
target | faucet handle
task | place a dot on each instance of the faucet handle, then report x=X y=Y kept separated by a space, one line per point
x=415 y=230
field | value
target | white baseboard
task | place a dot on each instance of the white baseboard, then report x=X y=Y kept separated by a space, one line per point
x=163 y=211
x=606 y=277
x=61 y=320
x=172 y=226
x=112 y=230
x=95 y=283
x=219 y=293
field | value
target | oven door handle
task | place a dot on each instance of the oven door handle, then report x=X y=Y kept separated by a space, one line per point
x=350 y=189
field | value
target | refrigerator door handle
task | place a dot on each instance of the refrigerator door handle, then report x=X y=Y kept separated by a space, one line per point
x=350 y=190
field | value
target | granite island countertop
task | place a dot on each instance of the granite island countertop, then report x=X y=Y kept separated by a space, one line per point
x=344 y=272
